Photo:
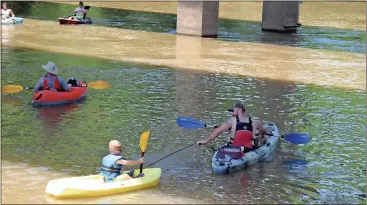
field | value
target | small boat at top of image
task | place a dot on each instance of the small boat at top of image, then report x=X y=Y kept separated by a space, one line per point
x=72 y=20
x=78 y=16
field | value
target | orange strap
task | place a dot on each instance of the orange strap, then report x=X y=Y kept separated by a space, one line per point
x=56 y=83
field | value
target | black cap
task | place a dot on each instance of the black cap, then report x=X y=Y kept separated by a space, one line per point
x=237 y=105
x=81 y=3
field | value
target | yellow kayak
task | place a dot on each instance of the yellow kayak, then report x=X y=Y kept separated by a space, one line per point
x=92 y=185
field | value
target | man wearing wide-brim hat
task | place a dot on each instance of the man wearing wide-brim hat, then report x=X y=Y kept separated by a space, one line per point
x=51 y=81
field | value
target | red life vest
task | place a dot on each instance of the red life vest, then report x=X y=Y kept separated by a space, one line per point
x=243 y=138
x=56 y=82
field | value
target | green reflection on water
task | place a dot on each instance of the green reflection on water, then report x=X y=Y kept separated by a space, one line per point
x=75 y=134
x=74 y=138
x=335 y=119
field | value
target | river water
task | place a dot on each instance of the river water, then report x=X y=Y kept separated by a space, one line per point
x=313 y=82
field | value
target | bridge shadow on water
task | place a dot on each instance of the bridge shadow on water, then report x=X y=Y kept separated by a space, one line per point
x=229 y=30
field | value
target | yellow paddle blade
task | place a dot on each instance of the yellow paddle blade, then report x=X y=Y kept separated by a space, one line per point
x=12 y=89
x=144 y=140
x=99 y=84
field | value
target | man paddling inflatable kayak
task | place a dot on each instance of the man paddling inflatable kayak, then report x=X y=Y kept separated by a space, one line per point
x=51 y=81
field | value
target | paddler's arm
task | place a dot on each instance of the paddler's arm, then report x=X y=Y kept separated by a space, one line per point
x=223 y=128
x=130 y=162
x=38 y=86
x=76 y=10
x=12 y=13
x=264 y=133
x=261 y=128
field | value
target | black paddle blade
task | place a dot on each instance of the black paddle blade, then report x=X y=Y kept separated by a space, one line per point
x=86 y=7
x=140 y=175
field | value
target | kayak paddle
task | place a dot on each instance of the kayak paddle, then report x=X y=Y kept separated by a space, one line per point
x=189 y=123
x=296 y=138
x=13 y=89
x=99 y=84
x=144 y=137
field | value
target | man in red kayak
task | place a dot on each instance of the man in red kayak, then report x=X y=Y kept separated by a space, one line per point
x=51 y=81
x=244 y=131
x=79 y=12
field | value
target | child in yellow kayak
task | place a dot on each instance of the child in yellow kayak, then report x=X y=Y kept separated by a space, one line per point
x=112 y=163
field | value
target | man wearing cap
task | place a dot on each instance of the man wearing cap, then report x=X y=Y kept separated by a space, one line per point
x=244 y=131
x=51 y=81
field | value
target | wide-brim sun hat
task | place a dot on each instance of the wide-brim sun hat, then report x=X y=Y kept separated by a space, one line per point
x=51 y=68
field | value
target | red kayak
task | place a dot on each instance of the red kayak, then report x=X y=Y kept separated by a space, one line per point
x=67 y=20
x=53 y=97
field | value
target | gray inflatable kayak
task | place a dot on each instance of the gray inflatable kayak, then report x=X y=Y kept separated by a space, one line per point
x=227 y=159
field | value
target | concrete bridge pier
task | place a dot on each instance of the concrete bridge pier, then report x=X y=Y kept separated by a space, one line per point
x=197 y=18
x=200 y=18
x=280 y=16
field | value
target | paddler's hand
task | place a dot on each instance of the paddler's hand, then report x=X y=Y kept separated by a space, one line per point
x=201 y=142
x=69 y=85
x=141 y=160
